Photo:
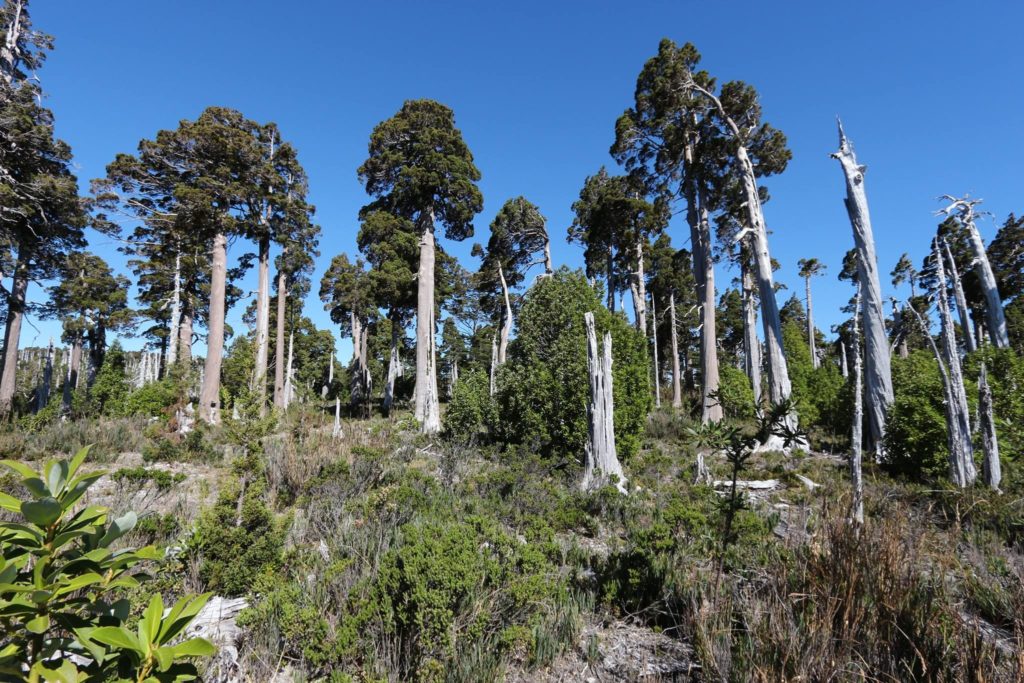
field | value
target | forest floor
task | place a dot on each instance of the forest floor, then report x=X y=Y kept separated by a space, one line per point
x=385 y=555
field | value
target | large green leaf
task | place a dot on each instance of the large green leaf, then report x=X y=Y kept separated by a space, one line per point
x=39 y=624
x=9 y=502
x=149 y=625
x=194 y=647
x=118 y=528
x=56 y=476
x=43 y=512
x=181 y=615
x=21 y=468
x=77 y=461
x=118 y=637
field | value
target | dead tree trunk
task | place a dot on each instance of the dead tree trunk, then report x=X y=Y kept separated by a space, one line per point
x=991 y=471
x=677 y=391
x=426 y=399
x=209 y=396
x=639 y=290
x=494 y=364
x=601 y=462
x=856 y=445
x=172 y=335
x=970 y=343
x=506 y=324
x=843 y=367
x=71 y=382
x=997 y=329
x=394 y=365
x=751 y=344
x=878 y=371
x=44 y=391
x=259 y=375
x=185 y=336
x=657 y=370
x=810 y=324
x=289 y=385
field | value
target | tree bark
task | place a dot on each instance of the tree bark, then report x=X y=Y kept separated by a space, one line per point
x=506 y=325
x=810 y=324
x=427 y=410
x=71 y=382
x=173 y=332
x=997 y=329
x=961 y=301
x=12 y=336
x=393 y=365
x=494 y=365
x=856 y=439
x=677 y=391
x=878 y=371
x=601 y=460
x=259 y=375
x=282 y=300
x=751 y=344
x=43 y=398
x=639 y=290
x=209 y=396
x=289 y=385
x=657 y=369
x=185 y=336
x=549 y=268
x=843 y=367
x=991 y=470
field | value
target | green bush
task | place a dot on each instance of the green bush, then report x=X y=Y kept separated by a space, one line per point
x=1006 y=379
x=153 y=399
x=472 y=409
x=734 y=392
x=62 y=586
x=110 y=387
x=915 y=433
x=543 y=389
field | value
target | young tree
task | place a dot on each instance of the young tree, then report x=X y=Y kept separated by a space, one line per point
x=810 y=268
x=878 y=371
x=905 y=272
x=420 y=168
x=348 y=295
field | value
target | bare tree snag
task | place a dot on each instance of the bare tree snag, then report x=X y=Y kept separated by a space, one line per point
x=677 y=393
x=751 y=344
x=426 y=410
x=991 y=471
x=657 y=370
x=878 y=366
x=394 y=368
x=259 y=375
x=174 y=332
x=964 y=210
x=856 y=440
x=601 y=461
x=209 y=395
x=282 y=300
x=506 y=323
x=970 y=343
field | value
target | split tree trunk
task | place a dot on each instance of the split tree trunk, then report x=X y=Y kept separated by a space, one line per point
x=970 y=343
x=991 y=471
x=677 y=389
x=209 y=395
x=12 y=336
x=810 y=324
x=856 y=445
x=878 y=372
x=259 y=375
x=506 y=325
x=601 y=460
x=282 y=299
x=751 y=344
x=427 y=410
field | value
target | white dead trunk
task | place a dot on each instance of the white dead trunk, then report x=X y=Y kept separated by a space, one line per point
x=427 y=410
x=991 y=471
x=961 y=301
x=997 y=329
x=209 y=396
x=843 y=367
x=639 y=290
x=657 y=369
x=494 y=364
x=810 y=324
x=856 y=445
x=878 y=370
x=601 y=461
x=174 y=332
x=751 y=344
x=336 y=432
x=71 y=383
x=259 y=375
x=282 y=301
x=9 y=53
x=549 y=268
x=506 y=325
x=289 y=386
x=394 y=366
x=677 y=392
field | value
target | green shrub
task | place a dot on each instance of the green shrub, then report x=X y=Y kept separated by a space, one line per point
x=543 y=389
x=62 y=589
x=471 y=410
x=153 y=399
x=110 y=387
x=915 y=433
x=139 y=476
x=735 y=393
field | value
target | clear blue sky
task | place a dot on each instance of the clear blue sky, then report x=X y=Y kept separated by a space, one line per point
x=930 y=93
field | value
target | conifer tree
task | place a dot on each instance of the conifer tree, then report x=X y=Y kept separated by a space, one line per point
x=810 y=268
x=420 y=168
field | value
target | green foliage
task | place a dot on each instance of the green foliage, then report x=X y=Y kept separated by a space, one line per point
x=734 y=392
x=1006 y=378
x=915 y=433
x=471 y=410
x=62 y=583
x=193 y=447
x=543 y=389
x=820 y=394
x=110 y=388
x=139 y=476
x=153 y=399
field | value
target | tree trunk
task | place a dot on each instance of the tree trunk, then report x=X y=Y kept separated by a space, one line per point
x=185 y=336
x=878 y=372
x=993 y=304
x=494 y=365
x=426 y=399
x=961 y=302
x=289 y=385
x=209 y=396
x=901 y=333
x=173 y=332
x=639 y=290
x=677 y=391
x=44 y=391
x=393 y=363
x=657 y=369
x=12 y=336
x=843 y=367
x=856 y=448
x=72 y=378
x=336 y=433
x=259 y=375
x=506 y=326
x=751 y=344
x=601 y=460
x=810 y=324
x=549 y=268
x=282 y=300
x=991 y=470
x=610 y=277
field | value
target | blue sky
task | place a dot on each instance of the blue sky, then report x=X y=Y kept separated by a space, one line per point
x=930 y=93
